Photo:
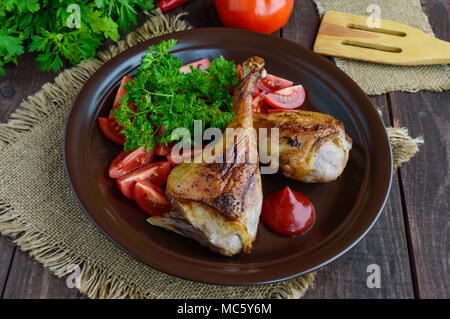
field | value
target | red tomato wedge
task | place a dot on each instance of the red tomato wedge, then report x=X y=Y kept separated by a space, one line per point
x=289 y=98
x=163 y=149
x=288 y=212
x=151 y=199
x=128 y=161
x=176 y=159
x=161 y=130
x=259 y=106
x=120 y=94
x=272 y=83
x=202 y=64
x=111 y=129
x=155 y=173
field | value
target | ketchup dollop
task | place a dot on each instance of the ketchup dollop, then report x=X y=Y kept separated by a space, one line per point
x=288 y=212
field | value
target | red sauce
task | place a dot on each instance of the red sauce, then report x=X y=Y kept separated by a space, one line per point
x=288 y=212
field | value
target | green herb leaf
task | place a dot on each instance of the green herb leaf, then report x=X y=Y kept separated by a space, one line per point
x=41 y=26
x=165 y=96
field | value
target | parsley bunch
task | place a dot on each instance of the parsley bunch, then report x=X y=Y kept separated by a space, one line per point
x=51 y=28
x=165 y=96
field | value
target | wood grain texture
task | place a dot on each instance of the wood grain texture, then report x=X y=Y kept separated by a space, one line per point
x=385 y=245
x=426 y=187
x=29 y=279
x=395 y=43
x=424 y=179
x=202 y=13
x=19 y=83
x=6 y=253
x=303 y=24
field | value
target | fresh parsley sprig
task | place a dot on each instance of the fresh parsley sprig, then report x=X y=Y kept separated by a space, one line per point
x=164 y=96
x=41 y=26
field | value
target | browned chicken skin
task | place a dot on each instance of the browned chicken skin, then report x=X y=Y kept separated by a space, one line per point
x=313 y=147
x=217 y=202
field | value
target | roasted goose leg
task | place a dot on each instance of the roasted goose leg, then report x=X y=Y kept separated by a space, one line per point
x=313 y=147
x=218 y=201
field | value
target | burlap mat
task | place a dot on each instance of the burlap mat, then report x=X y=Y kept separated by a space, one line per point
x=377 y=79
x=38 y=210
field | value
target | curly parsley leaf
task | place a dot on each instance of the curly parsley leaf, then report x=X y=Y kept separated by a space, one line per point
x=166 y=96
x=42 y=27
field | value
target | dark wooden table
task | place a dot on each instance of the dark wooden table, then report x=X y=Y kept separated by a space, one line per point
x=410 y=240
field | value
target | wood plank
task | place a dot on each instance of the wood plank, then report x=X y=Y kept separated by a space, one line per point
x=424 y=179
x=303 y=24
x=29 y=279
x=6 y=255
x=438 y=12
x=202 y=13
x=19 y=83
x=385 y=245
x=425 y=184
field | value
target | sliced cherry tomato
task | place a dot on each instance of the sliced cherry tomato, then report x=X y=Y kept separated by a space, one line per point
x=259 y=106
x=161 y=130
x=176 y=159
x=128 y=161
x=151 y=199
x=262 y=88
x=270 y=111
x=288 y=212
x=155 y=173
x=120 y=94
x=163 y=149
x=289 y=98
x=202 y=64
x=111 y=129
x=240 y=71
x=272 y=83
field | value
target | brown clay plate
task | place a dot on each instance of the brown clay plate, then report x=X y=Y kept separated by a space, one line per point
x=346 y=209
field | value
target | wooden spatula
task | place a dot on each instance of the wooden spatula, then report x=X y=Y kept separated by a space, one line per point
x=348 y=36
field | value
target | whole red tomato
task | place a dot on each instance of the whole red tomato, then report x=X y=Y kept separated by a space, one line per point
x=265 y=16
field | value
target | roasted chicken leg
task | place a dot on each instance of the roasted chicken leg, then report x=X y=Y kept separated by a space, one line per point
x=218 y=201
x=313 y=147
